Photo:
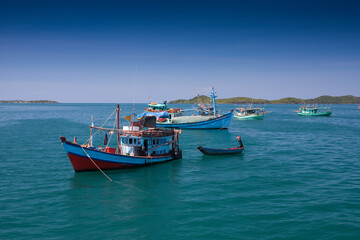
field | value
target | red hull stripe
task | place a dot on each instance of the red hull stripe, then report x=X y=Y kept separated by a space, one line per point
x=85 y=164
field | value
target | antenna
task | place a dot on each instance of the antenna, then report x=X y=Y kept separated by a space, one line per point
x=134 y=88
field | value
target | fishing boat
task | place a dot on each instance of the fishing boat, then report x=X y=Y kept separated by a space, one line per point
x=359 y=107
x=249 y=113
x=138 y=144
x=163 y=107
x=223 y=151
x=314 y=111
x=208 y=120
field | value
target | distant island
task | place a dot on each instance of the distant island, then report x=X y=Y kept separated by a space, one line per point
x=348 y=99
x=27 y=101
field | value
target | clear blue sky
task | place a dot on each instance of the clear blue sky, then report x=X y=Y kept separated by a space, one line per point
x=87 y=51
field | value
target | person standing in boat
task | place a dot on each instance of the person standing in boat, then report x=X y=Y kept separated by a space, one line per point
x=240 y=142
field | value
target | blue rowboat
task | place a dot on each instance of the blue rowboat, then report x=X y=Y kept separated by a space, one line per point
x=221 y=151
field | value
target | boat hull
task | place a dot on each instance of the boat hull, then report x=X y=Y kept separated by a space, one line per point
x=221 y=122
x=90 y=159
x=249 y=117
x=223 y=151
x=315 y=114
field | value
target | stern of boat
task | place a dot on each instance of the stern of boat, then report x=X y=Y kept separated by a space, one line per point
x=177 y=154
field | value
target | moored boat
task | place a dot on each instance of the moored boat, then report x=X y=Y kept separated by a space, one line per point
x=204 y=120
x=249 y=113
x=137 y=145
x=162 y=107
x=223 y=151
x=314 y=111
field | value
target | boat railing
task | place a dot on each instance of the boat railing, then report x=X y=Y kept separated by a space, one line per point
x=155 y=132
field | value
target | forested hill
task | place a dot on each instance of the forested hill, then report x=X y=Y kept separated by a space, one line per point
x=348 y=99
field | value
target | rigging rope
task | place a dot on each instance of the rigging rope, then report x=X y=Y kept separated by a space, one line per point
x=111 y=134
x=101 y=126
x=127 y=185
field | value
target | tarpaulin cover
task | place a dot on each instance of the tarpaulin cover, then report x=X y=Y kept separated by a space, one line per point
x=164 y=114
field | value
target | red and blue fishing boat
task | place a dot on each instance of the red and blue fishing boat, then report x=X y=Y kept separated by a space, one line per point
x=139 y=144
x=223 y=151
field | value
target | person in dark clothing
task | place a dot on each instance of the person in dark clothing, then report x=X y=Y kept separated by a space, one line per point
x=239 y=139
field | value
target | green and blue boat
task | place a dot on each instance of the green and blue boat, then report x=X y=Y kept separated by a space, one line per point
x=250 y=112
x=314 y=111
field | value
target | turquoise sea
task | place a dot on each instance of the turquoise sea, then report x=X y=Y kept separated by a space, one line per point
x=298 y=179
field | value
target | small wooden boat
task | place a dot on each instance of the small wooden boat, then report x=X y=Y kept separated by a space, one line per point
x=223 y=151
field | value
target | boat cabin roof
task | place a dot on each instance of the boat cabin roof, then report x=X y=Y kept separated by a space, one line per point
x=313 y=108
x=156 y=105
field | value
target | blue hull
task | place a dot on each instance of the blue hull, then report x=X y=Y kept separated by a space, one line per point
x=221 y=122
x=223 y=151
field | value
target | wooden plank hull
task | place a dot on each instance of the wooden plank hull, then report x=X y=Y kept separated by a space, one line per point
x=221 y=122
x=223 y=151
x=80 y=160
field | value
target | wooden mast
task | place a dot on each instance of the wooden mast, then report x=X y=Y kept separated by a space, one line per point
x=91 y=132
x=118 y=127
x=213 y=96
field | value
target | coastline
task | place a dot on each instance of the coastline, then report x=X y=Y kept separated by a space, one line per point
x=28 y=101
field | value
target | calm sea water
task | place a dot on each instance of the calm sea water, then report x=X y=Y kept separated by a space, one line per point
x=298 y=179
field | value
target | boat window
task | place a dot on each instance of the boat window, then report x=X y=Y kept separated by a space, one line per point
x=130 y=140
x=153 y=141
